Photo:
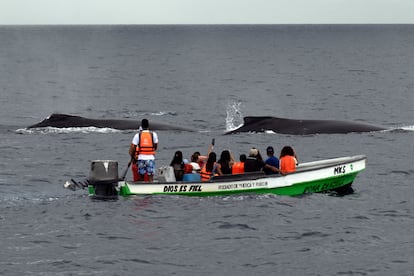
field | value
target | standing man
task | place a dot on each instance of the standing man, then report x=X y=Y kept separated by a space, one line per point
x=142 y=149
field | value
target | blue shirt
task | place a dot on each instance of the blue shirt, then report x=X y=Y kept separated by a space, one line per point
x=272 y=161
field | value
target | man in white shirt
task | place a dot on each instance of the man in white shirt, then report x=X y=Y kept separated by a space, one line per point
x=142 y=150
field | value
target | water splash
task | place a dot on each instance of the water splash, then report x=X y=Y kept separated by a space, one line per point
x=234 y=116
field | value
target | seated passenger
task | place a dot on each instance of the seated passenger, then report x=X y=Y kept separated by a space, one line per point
x=238 y=167
x=178 y=165
x=194 y=163
x=272 y=161
x=188 y=168
x=254 y=162
x=209 y=168
x=287 y=160
x=225 y=163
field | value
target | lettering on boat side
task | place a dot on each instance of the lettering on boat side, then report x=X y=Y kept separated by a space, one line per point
x=339 y=170
x=243 y=185
x=182 y=188
x=324 y=186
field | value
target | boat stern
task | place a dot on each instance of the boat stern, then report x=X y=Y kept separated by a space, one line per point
x=103 y=179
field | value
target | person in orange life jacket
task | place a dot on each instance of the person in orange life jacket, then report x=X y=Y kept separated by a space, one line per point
x=272 y=161
x=238 y=167
x=225 y=163
x=210 y=168
x=142 y=149
x=178 y=165
x=287 y=160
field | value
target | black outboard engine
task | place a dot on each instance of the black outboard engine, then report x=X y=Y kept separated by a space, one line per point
x=104 y=178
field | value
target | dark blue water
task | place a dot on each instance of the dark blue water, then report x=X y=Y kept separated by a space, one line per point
x=206 y=78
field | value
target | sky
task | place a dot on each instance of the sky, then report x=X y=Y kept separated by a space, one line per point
x=58 y=12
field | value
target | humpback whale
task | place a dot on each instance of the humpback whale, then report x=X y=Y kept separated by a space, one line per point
x=65 y=120
x=300 y=127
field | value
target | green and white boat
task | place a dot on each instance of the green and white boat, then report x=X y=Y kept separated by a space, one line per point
x=317 y=176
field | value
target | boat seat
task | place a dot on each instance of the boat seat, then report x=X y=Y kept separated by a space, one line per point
x=166 y=174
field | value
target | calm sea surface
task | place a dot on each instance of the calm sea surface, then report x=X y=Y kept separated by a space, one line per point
x=206 y=78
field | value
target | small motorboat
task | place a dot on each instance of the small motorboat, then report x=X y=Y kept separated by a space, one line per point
x=336 y=174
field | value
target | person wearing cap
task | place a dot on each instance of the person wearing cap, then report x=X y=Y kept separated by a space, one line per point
x=271 y=160
x=142 y=151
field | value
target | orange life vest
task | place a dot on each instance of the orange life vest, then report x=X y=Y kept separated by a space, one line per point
x=237 y=168
x=146 y=144
x=205 y=175
x=287 y=164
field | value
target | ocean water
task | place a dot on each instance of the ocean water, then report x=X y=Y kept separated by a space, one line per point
x=206 y=78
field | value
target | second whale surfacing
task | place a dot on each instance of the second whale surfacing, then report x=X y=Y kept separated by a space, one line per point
x=301 y=127
x=65 y=121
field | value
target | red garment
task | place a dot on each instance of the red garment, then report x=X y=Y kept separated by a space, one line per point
x=188 y=168
x=135 y=174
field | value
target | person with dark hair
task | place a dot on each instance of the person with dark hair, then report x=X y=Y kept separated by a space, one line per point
x=195 y=166
x=225 y=163
x=271 y=160
x=178 y=165
x=255 y=163
x=198 y=158
x=209 y=168
x=238 y=167
x=287 y=159
x=142 y=151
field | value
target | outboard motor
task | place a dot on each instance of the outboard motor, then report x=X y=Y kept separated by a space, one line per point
x=104 y=178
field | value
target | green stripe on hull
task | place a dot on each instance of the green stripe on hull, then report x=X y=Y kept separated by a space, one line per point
x=293 y=190
x=91 y=189
x=315 y=186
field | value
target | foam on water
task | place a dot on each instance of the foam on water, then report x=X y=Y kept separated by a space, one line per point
x=48 y=130
x=408 y=128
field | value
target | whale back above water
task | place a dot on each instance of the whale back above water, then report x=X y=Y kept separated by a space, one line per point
x=301 y=127
x=65 y=121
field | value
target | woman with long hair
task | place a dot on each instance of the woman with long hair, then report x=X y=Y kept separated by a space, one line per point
x=178 y=164
x=287 y=160
x=225 y=163
x=209 y=168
